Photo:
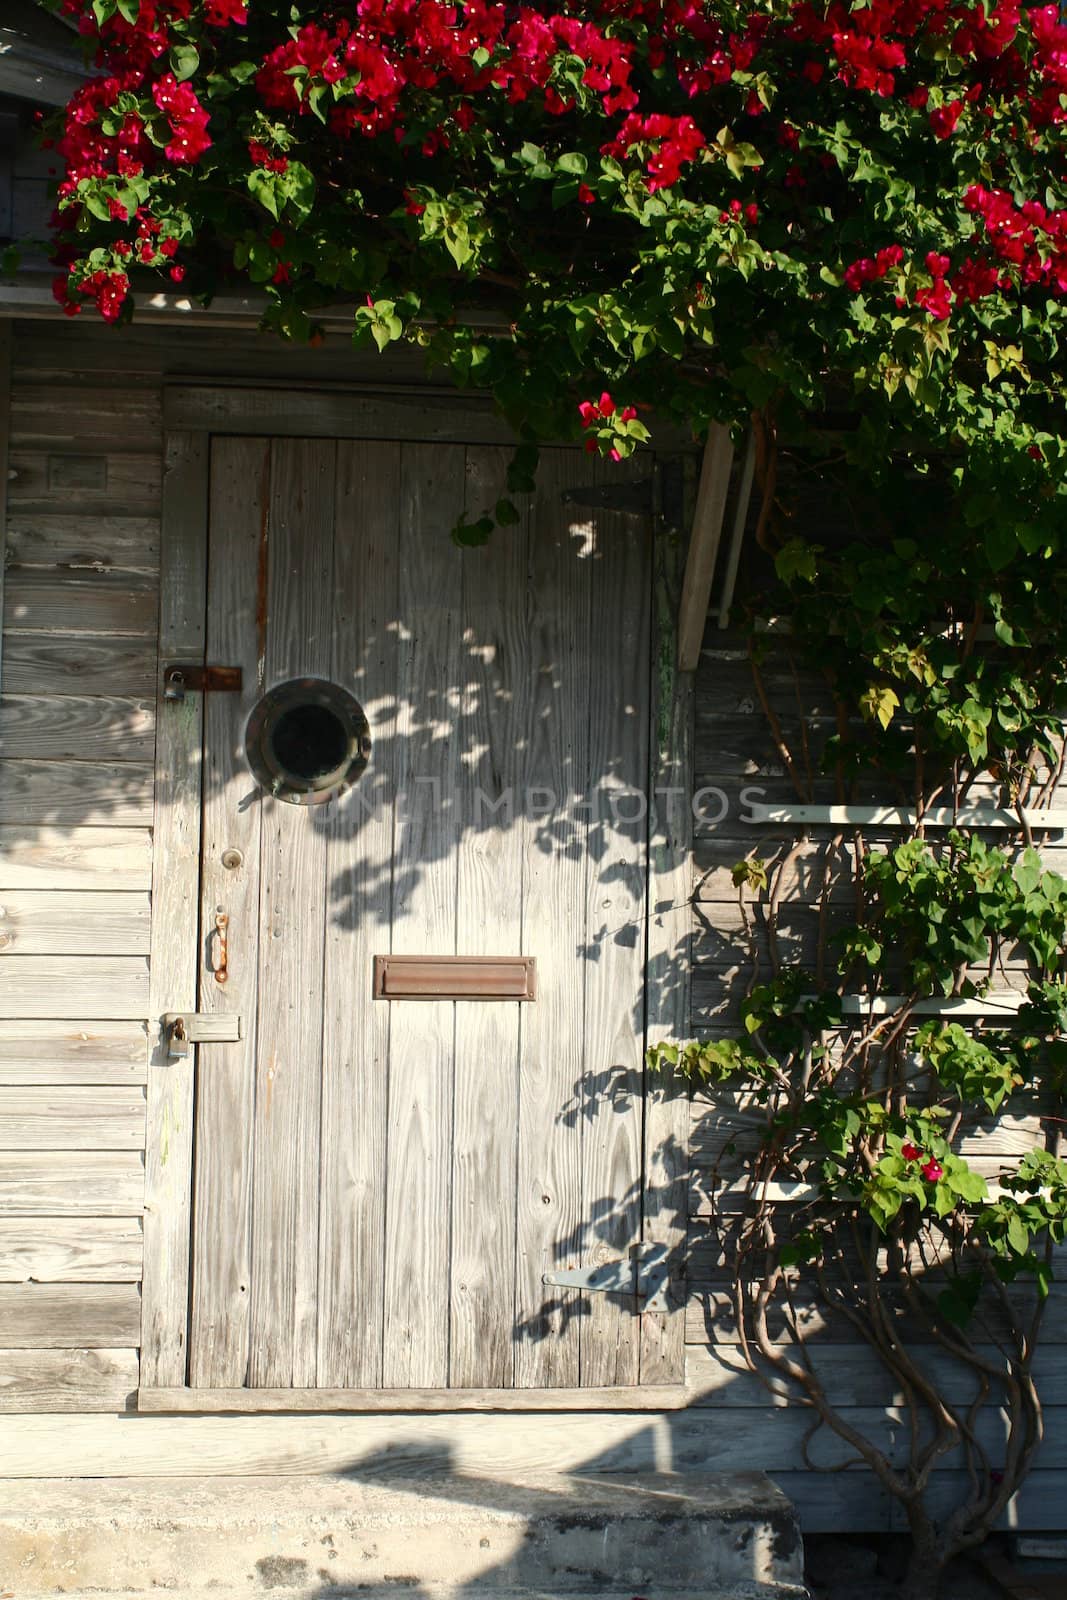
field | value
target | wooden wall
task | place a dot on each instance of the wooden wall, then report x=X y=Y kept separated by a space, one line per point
x=76 y=723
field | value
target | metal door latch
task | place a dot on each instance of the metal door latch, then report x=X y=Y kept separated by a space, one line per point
x=645 y=1274
x=180 y=679
x=184 y=1028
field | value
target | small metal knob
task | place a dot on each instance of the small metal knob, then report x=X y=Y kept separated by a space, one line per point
x=232 y=859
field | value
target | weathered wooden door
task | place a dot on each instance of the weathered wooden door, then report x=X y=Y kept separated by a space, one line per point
x=380 y=1186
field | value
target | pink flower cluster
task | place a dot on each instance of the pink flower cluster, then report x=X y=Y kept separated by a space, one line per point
x=931 y=1168
x=673 y=141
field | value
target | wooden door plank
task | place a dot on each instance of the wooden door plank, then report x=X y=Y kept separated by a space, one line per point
x=44 y=664
x=84 y=1183
x=422 y=1033
x=667 y=972
x=77 y=728
x=554 y=915
x=70 y=1250
x=59 y=602
x=293 y=854
x=62 y=1118
x=358 y=911
x=610 y=1113
x=225 y=1111
x=73 y=794
x=50 y=1051
x=64 y=922
x=79 y=858
x=59 y=1315
x=85 y=988
x=492 y=681
x=175 y=903
x=41 y=1381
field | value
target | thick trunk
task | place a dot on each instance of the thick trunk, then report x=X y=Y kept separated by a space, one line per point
x=923 y=1577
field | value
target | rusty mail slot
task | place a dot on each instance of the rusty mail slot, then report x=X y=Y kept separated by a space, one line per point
x=455 y=978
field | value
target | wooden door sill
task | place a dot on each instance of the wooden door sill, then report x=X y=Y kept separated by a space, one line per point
x=646 y=1397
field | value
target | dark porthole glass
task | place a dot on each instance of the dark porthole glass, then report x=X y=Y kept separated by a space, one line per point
x=307 y=740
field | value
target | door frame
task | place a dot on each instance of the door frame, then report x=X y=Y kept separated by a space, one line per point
x=193 y=412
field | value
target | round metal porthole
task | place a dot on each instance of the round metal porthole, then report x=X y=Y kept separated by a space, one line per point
x=307 y=740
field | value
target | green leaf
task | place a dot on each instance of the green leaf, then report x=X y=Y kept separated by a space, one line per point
x=184 y=60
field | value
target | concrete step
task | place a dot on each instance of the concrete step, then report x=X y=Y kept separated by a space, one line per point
x=443 y=1537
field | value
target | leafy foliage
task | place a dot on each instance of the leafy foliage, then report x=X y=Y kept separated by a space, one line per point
x=797 y=207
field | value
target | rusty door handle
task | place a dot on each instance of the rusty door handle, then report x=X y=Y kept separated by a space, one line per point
x=219 y=956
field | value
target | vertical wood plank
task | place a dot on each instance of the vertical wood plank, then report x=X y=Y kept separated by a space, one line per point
x=358 y=911
x=548 y=1224
x=615 y=891
x=5 y=442
x=422 y=1035
x=667 y=970
x=285 y=1214
x=175 y=902
x=493 y=680
x=222 y=1213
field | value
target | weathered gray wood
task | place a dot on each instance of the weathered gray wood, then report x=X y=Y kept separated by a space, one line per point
x=225 y=1116
x=494 y=691
x=69 y=794
x=62 y=1118
x=82 y=420
x=40 y=922
x=100 y=543
x=67 y=1380
x=503 y=1446
x=392 y=1401
x=5 y=448
x=42 y=664
x=550 y=1216
x=716 y=1375
x=76 y=728
x=667 y=961
x=83 y=988
x=422 y=1033
x=117 y=859
x=616 y=882
x=704 y=543
x=112 y=481
x=83 y=1183
x=70 y=1250
x=430 y=417
x=175 y=902
x=116 y=603
x=61 y=1315
x=285 y=1206
x=62 y=1052
x=358 y=912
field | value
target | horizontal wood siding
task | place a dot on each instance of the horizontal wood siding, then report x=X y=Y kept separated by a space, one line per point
x=77 y=750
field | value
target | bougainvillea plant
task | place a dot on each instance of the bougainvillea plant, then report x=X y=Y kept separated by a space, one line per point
x=703 y=207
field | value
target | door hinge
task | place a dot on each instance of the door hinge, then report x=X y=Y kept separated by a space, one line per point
x=646 y=1274
x=181 y=678
x=661 y=493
